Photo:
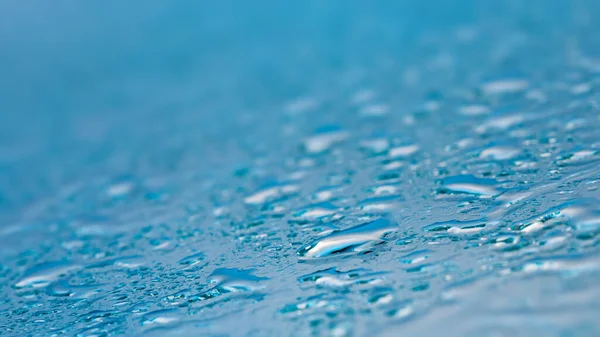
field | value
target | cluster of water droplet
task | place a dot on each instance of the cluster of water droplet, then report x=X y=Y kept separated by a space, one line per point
x=474 y=211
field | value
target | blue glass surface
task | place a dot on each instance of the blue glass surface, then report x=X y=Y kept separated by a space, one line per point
x=273 y=168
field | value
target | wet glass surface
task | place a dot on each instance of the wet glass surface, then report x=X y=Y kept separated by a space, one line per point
x=318 y=168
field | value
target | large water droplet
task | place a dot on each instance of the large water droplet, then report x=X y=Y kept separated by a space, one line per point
x=355 y=239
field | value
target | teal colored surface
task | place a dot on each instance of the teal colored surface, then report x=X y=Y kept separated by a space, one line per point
x=265 y=168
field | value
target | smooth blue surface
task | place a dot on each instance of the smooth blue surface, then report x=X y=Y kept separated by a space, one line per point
x=320 y=168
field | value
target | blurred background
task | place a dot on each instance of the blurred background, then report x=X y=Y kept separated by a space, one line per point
x=87 y=81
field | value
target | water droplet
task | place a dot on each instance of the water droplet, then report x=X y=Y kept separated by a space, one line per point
x=192 y=260
x=374 y=110
x=500 y=123
x=316 y=211
x=324 y=139
x=474 y=110
x=159 y=317
x=43 y=274
x=271 y=193
x=499 y=153
x=230 y=280
x=457 y=227
x=468 y=184
x=504 y=86
x=355 y=239
x=83 y=291
x=403 y=151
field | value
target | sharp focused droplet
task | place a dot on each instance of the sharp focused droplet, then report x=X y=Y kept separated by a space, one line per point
x=355 y=239
x=468 y=184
